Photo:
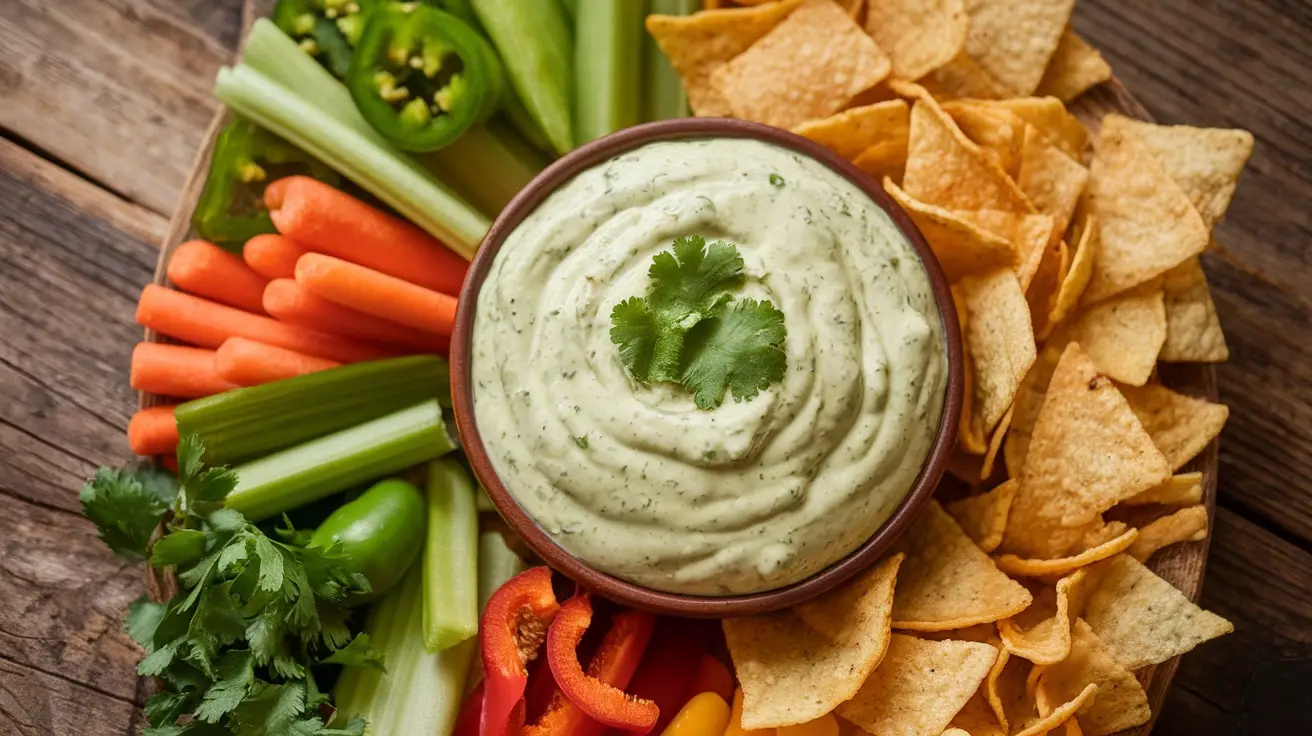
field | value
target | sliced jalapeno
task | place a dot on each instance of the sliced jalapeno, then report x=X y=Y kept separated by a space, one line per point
x=328 y=30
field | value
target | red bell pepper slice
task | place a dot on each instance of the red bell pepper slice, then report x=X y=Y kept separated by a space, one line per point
x=599 y=692
x=514 y=625
x=471 y=714
x=671 y=662
x=712 y=677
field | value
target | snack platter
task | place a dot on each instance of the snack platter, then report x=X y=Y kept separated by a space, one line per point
x=1182 y=565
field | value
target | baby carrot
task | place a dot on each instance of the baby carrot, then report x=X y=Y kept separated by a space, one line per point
x=176 y=370
x=290 y=302
x=327 y=220
x=249 y=363
x=207 y=324
x=272 y=256
x=153 y=431
x=204 y=269
x=377 y=293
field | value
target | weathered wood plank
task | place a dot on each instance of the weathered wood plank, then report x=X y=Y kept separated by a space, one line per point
x=35 y=703
x=117 y=89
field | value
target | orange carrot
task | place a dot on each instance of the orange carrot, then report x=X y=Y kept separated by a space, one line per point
x=329 y=221
x=293 y=303
x=204 y=269
x=207 y=324
x=249 y=363
x=377 y=293
x=153 y=431
x=176 y=370
x=272 y=256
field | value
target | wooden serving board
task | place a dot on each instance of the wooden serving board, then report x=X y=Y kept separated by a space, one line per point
x=1182 y=564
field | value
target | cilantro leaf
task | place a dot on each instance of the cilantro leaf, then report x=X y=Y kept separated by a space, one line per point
x=124 y=511
x=163 y=708
x=180 y=547
x=143 y=619
x=359 y=653
x=742 y=351
x=236 y=674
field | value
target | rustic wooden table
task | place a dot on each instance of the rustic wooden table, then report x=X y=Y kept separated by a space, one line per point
x=103 y=103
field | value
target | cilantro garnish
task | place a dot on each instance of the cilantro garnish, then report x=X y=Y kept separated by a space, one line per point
x=776 y=181
x=686 y=330
x=237 y=645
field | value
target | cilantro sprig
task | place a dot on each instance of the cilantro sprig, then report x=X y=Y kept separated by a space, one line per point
x=688 y=330
x=236 y=647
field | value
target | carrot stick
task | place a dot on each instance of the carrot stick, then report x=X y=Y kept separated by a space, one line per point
x=329 y=221
x=377 y=293
x=207 y=324
x=293 y=303
x=204 y=269
x=176 y=370
x=272 y=256
x=153 y=431
x=249 y=363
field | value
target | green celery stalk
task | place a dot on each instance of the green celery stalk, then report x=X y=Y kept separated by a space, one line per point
x=450 y=557
x=607 y=35
x=421 y=692
x=532 y=37
x=665 y=97
x=496 y=564
x=484 y=503
x=308 y=472
x=250 y=422
x=571 y=8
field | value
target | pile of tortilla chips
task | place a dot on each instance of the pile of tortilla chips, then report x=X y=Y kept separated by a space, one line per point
x=1025 y=606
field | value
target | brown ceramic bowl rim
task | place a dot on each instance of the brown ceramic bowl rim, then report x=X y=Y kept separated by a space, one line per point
x=610 y=586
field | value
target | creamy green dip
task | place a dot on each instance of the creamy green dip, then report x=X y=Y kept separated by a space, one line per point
x=638 y=482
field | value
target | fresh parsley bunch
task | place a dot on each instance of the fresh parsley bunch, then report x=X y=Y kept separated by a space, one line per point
x=236 y=646
x=687 y=330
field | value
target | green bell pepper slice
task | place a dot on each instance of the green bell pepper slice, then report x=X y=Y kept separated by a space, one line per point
x=422 y=77
x=328 y=30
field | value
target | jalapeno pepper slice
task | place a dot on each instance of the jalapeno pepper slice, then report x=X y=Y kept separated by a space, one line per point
x=328 y=30
x=421 y=76
x=246 y=159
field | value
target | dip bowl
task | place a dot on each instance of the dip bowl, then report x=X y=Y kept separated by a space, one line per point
x=623 y=591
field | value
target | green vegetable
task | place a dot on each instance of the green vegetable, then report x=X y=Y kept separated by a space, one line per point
x=235 y=648
x=496 y=564
x=532 y=37
x=450 y=557
x=250 y=422
x=685 y=331
x=663 y=97
x=321 y=467
x=327 y=30
x=246 y=158
x=606 y=67
x=421 y=692
x=284 y=91
x=423 y=77
x=380 y=533
x=489 y=164
x=570 y=7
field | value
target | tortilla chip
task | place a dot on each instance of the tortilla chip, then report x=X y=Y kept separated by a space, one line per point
x=1147 y=224
x=792 y=673
x=1193 y=332
x=884 y=160
x=982 y=633
x=700 y=43
x=1005 y=692
x=807 y=67
x=983 y=517
x=1021 y=567
x=1120 y=701
x=851 y=7
x=1204 y=162
x=1013 y=40
x=1077 y=277
x=919 y=686
x=919 y=35
x=1025 y=409
x=1075 y=67
x=963 y=77
x=995 y=445
x=964 y=465
x=953 y=731
x=1051 y=180
x=998 y=132
x=1123 y=335
x=1184 y=489
x=1064 y=713
x=853 y=131
x=1142 y=619
x=945 y=168
x=976 y=718
x=946 y=582
x=1186 y=525
x=1000 y=341
x=962 y=248
x=1042 y=632
x=1047 y=114
x=1181 y=426
x=1087 y=452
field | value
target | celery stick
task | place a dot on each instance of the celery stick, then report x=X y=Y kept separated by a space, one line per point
x=450 y=557
x=532 y=37
x=517 y=115
x=484 y=503
x=664 y=96
x=421 y=692
x=607 y=38
x=308 y=472
x=250 y=422
x=496 y=564
x=487 y=169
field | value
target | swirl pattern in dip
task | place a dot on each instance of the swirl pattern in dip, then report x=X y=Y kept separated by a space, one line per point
x=635 y=480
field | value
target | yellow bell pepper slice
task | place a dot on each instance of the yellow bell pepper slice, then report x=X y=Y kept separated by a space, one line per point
x=705 y=715
x=825 y=725
x=736 y=720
